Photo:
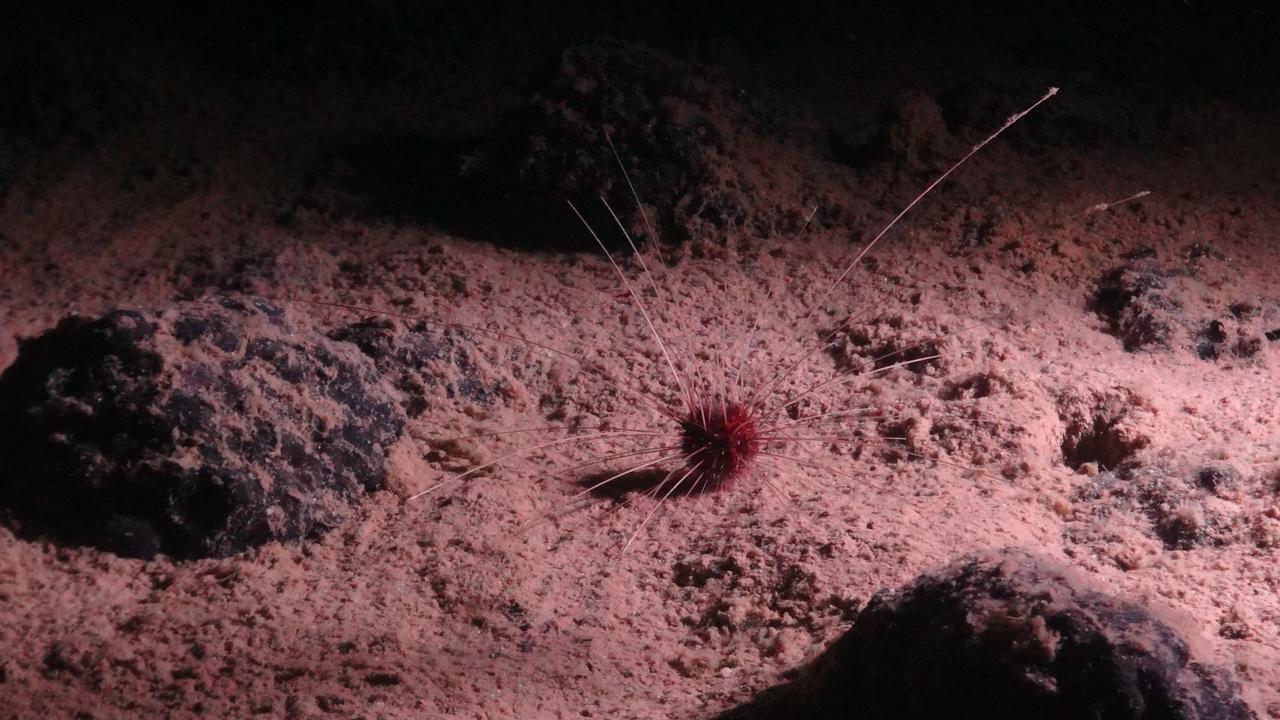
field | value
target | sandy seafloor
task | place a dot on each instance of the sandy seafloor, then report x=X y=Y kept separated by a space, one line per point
x=504 y=597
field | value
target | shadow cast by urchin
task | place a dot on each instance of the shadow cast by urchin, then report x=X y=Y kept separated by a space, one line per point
x=598 y=485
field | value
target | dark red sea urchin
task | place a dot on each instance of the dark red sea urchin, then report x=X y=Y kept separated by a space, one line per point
x=719 y=441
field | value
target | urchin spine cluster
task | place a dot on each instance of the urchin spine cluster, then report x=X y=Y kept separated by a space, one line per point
x=719 y=441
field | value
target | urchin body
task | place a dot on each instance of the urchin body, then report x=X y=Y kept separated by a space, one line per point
x=719 y=441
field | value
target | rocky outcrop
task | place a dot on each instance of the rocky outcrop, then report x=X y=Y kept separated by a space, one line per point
x=1003 y=635
x=202 y=429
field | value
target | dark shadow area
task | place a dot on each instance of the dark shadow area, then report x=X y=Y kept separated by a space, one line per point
x=617 y=490
x=642 y=481
x=414 y=179
x=56 y=441
x=177 y=98
x=1098 y=440
x=402 y=178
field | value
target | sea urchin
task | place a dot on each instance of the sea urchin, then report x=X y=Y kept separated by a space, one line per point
x=718 y=439
x=718 y=442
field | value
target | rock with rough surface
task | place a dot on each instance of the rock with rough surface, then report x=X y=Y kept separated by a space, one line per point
x=681 y=131
x=1003 y=635
x=200 y=430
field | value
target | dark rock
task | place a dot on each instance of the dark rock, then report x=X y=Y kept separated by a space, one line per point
x=679 y=129
x=1174 y=500
x=1218 y=479
x=1232 y=336
x=203 y=429
x=382 y=679
x=1140 y=301
x=411 y=356
x=1212 y=338
x=555 y=148
x=1201 y=250
x=1003 y=635
x=1132 y=300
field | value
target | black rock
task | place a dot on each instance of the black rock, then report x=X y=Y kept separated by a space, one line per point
x=1174 y=500
x=707 y=157
x=1133 y=301
x=1004 y=634
x=200 y=430
x=1143 y=304
x=1218 y=479
x=410 y=358
x=658 y=113
x=680 y=129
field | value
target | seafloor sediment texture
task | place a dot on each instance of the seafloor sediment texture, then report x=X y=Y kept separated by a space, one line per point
x=1110 y=371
